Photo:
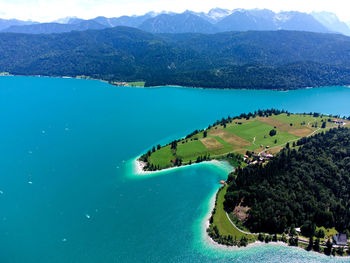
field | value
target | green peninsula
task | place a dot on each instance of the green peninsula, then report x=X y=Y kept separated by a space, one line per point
x=291 y=182
x=262 y=133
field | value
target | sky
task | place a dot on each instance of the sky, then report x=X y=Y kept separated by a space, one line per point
x=49 y=10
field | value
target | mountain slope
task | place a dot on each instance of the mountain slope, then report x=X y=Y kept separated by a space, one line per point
x=332 y=22
x=299 y=21
x=216 y=20
x=179 y=23
x=269 y=60
x=130 y=21
x=50 y=28
x=243 y=20
x=218 y=14
x=263 y=19
x=4 y=23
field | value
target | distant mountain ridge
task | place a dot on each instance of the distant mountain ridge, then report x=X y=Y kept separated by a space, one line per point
x=215 y=21
x=6 y=23
x=178 y=23
x=332 y=22
x=253 y=59
x=50 y=28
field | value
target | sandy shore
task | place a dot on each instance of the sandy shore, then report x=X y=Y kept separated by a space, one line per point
x=139 y=165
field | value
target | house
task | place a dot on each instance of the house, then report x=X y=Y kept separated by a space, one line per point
x=222 y=182
x=340 y=239
x=340 y=122
x=266 y=155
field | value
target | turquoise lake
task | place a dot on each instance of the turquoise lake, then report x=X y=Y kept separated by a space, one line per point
x=67 y=188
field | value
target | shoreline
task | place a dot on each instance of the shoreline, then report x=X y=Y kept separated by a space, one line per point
x=138 y=167
x=177 y=86
x=208 y=240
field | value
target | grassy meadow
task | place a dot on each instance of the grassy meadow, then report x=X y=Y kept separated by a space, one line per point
x=221 y=221
x=240 y=136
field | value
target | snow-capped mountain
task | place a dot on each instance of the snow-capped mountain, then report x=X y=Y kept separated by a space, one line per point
x=214 y=21
x=217 y=14
x=332 y=22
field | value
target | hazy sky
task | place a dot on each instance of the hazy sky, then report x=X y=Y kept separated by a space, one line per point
x=47 y=10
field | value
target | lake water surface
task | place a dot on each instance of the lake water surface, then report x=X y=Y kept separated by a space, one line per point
x=67 y=188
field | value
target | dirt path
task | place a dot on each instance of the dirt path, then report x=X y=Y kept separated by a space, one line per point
x=247 y=233
x=302 y=240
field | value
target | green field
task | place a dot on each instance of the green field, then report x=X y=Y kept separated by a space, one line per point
x=241 y=135
x=136 y=84
x=221 y=221
x=128 y=84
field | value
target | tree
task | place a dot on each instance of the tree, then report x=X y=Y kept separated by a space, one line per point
x=328 y=248
x=274 y=239
x=296 y=241
x=320 y=233
x=317 y=245
x=216 y=230
x=178 y=161
x=293 y=241
x=244 y=241
x=173 y=145
x=292 y=231
x=311 y=243
x=308 y=229
x=261 y=237
x=340 y=250
x=204 y=134
x=284 y=238
x=323 y=125
x=273 y=132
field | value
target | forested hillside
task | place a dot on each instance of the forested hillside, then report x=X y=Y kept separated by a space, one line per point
x=269 y=60
x=308 y=186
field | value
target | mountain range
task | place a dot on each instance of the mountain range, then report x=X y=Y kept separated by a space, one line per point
x=215 y=21
x=253 y=59
x=6 y=23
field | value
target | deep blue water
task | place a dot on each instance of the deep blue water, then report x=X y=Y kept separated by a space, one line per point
x=68 y=192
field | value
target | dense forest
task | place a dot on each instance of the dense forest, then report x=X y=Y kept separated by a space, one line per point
x=253 y=59
x=307 y=187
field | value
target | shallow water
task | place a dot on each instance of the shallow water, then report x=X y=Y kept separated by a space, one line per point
x=68 y=189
